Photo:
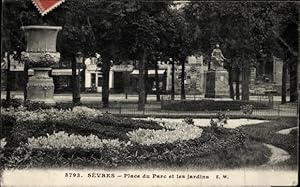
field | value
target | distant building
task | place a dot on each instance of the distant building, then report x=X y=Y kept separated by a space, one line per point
x=124 y=78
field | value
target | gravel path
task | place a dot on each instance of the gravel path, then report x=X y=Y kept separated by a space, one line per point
x=278 y=155
x=231 y=123
x=286 y=131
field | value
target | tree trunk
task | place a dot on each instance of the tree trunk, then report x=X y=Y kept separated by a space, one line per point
x=105 y=73
x=237 y=84
x=245 y=81
x=105 y=82
x=293 y=66
x=75 y=82
x=230 y=82
x=8 y=83
x=146 y=81
x=141 y=104
x=182 y=79
x=126 y=83
x=25 y=80
x=284 y=76
x=157 y=83
x=173 y=81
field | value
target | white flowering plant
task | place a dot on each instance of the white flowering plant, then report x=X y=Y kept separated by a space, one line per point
x=2 y=143
x=59 y=140
x=171 y=133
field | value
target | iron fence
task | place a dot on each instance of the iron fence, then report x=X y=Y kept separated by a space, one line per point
x=154 y=109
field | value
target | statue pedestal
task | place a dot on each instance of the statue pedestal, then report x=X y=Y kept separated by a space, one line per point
x=40 y=87
x=40 y=55
x=217 y=84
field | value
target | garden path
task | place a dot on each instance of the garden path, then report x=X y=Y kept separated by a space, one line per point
x=278 y=155
x=286 y=131
x=231 y=123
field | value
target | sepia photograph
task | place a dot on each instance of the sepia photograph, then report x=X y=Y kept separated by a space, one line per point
x=149 y=93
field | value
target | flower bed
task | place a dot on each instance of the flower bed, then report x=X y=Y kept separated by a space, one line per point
x=224 y=144
x=21 y=124
x=90 y=138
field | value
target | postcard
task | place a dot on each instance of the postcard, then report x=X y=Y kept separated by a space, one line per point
x=149 y=93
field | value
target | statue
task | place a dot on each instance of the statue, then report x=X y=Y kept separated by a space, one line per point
x=217 y=59
x=217 y=77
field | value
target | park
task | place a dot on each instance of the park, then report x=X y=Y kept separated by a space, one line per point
x=145 y=84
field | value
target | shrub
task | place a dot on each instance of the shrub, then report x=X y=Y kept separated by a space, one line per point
x=66 y=106
x=11 y=103
x=7 y=122
x=35 y=105
x=247 y=110
x=189 y=121
x=219 y=121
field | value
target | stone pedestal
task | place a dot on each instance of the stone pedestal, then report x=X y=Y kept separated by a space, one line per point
x=41 y=55
x=217 y=84
x=40 y=87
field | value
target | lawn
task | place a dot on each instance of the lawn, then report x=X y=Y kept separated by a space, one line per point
x=267 y=133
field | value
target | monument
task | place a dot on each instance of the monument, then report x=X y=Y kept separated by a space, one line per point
x=41 y=55
x=217 y=77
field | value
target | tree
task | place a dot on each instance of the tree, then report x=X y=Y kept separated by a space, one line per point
x=241 y=28
x=177 y=44
x=142 y=30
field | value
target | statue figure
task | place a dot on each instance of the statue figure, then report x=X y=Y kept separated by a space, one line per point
x=217 y=58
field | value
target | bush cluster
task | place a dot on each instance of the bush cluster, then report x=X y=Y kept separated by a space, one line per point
x=209 y=105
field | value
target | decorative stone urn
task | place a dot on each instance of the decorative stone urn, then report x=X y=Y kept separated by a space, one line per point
x=41 y=55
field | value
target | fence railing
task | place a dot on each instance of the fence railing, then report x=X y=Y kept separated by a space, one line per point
x=154 y=109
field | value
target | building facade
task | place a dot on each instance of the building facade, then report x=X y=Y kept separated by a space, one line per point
x=124 y=78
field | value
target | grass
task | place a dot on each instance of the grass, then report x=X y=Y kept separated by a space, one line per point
x=267 y=133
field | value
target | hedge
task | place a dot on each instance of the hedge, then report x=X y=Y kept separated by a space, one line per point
x=209 y=105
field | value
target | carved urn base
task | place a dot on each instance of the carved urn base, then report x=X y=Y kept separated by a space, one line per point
x=40 y=87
